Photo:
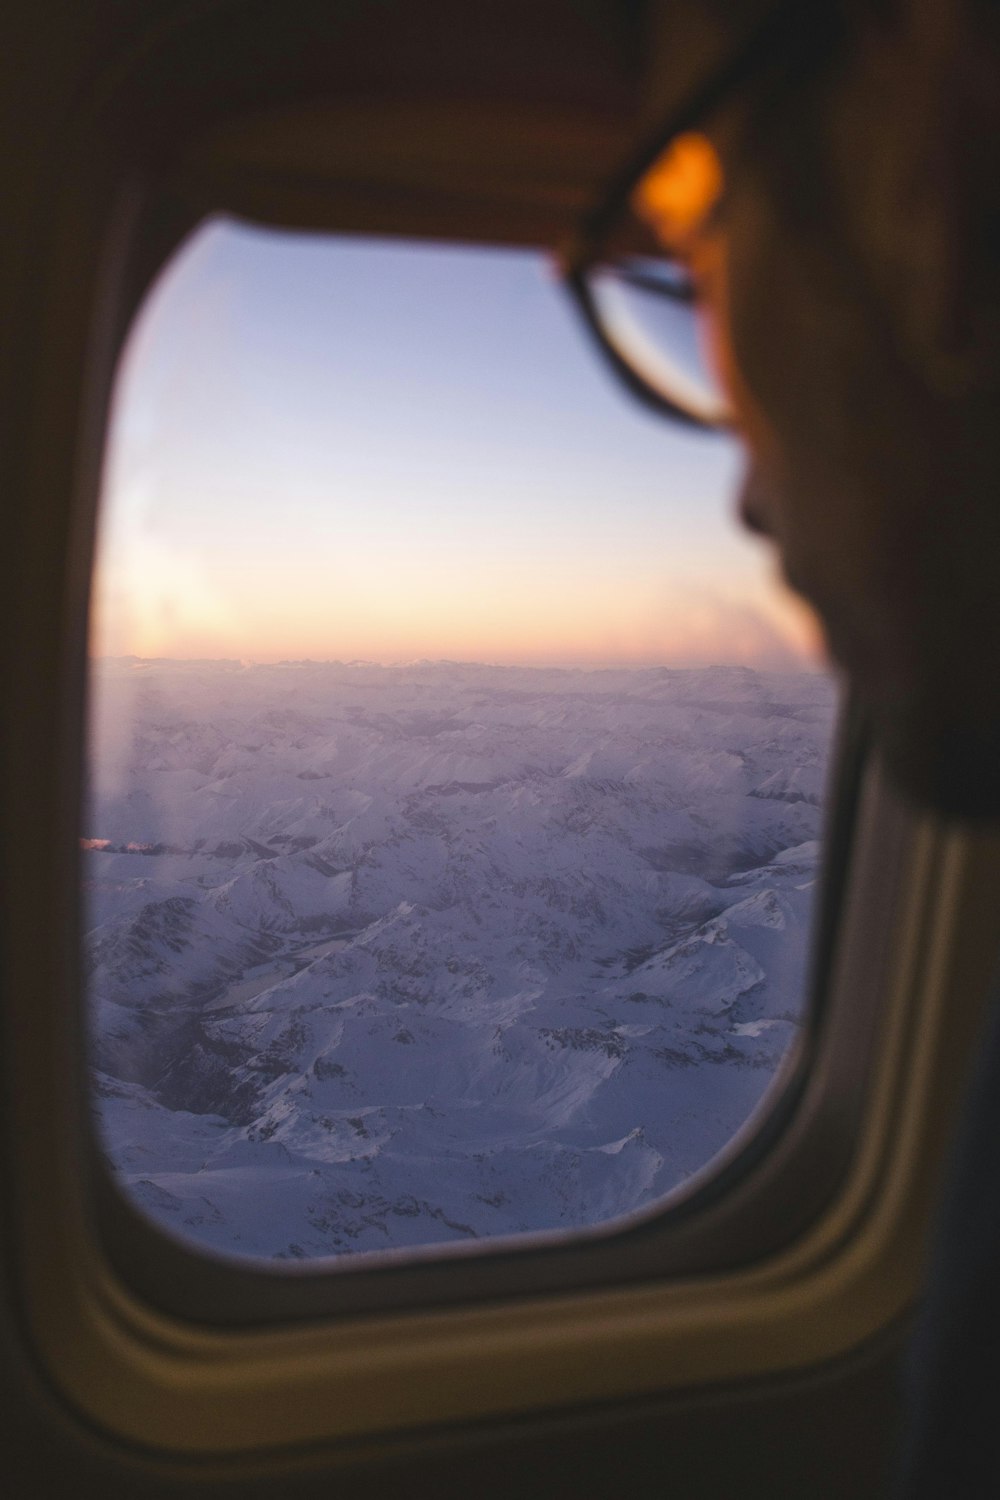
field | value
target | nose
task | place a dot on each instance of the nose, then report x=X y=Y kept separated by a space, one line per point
x=752 y=503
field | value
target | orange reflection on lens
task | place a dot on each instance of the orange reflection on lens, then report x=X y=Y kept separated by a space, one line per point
x=679 y=190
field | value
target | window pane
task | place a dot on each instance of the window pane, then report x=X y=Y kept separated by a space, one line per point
x=455 y=768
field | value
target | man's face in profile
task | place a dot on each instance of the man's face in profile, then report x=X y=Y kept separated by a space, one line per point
x=878 y=485
x=833 y=223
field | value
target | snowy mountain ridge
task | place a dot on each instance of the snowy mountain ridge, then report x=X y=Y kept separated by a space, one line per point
x=385 y=956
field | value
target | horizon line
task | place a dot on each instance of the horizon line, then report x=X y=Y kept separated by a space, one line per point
x=803 y=664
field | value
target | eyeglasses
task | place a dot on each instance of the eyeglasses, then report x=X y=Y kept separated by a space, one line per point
x=628 y=270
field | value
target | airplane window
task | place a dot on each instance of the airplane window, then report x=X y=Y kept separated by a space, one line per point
x=455 y=768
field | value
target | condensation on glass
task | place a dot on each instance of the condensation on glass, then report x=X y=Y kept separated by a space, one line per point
x=455 y=770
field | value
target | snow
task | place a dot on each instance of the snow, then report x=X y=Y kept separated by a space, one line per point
x=385 y=957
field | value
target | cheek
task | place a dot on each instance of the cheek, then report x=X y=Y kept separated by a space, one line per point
x=802 y=486
x=868 y=488
x=734 y=332
x=712 y=271
x=792 y=409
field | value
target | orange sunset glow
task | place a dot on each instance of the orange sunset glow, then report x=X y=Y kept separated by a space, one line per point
x=527 y=614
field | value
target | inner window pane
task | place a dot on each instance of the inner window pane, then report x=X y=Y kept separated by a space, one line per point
x=456 y=769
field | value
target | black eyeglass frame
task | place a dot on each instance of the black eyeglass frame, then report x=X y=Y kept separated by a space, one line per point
x=774 y=40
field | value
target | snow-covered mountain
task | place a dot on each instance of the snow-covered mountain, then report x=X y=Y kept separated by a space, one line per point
x=383 y=956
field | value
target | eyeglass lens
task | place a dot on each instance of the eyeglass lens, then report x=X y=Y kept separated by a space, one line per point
x=642 y=291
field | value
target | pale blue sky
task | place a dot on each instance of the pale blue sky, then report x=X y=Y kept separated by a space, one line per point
x=344 y=447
